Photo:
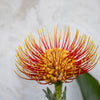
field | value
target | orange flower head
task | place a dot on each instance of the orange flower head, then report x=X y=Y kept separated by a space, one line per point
x=52 y=60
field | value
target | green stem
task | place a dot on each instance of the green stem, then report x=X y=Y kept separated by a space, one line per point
x=58 y=89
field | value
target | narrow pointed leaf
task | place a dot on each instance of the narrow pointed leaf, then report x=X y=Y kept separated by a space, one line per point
x=64 y=94
x=49 y=94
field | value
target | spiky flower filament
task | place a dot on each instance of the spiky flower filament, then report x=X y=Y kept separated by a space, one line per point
x=56 y=61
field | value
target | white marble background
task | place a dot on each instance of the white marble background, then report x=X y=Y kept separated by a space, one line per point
x=18 y=18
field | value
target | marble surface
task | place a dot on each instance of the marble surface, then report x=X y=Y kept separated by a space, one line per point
x=18 y=18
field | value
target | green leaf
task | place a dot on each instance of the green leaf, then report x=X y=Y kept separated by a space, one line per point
x=52 y=96
x=64 y=94
x=49 y=94
x=89 y=86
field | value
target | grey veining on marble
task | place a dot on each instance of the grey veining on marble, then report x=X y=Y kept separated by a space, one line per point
x=18 y=18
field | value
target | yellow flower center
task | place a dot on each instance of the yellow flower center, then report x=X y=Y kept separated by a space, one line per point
x=57 y=65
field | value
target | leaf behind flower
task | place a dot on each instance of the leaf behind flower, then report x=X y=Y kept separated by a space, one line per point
x=89 y=86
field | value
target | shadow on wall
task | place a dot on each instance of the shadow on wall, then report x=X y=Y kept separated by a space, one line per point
x=26 y=5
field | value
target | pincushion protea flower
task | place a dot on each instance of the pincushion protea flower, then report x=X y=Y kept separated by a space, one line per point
x=53 y=61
